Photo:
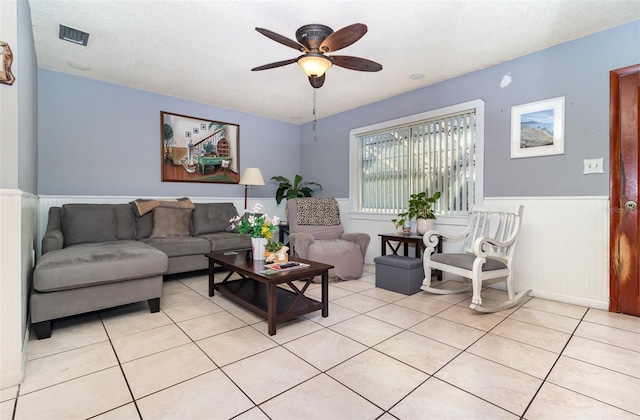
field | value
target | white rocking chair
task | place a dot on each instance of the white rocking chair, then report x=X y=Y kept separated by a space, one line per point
x=488 y=249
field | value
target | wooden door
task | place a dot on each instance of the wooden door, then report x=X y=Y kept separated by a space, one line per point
x=624 y=128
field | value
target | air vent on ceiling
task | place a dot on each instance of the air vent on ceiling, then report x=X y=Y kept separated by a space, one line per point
x=73 y=35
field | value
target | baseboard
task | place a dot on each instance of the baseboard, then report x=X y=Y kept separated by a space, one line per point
x=573 y=300
x=558 y=297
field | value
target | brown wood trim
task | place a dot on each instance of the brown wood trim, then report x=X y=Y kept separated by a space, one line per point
x=614 y=188
x=614 y=181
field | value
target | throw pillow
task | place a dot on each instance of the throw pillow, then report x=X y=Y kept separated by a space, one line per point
x=317 y=211
x=212 y=217
x=168 y=222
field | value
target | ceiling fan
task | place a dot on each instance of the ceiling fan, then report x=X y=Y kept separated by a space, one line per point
x=315 y=41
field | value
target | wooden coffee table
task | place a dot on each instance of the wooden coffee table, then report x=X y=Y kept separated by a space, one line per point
x=260 y=293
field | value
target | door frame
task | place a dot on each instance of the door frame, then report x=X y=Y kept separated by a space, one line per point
x=615 y=181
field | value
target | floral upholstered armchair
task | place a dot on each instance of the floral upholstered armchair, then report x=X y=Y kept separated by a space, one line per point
x=316 y=233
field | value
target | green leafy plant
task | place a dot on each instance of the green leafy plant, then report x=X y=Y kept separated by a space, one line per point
x=168 y=133
x=420 y=207
x=255 y=223
x=273 y=246
x=298 y=189
x=208 y=147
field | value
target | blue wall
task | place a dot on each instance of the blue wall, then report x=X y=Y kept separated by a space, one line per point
x=96 y=138
x=577 y=70
x=27 y=103
x=102 y=139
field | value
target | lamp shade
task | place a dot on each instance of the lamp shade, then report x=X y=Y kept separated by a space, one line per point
x=314 y=65
x=252 y=176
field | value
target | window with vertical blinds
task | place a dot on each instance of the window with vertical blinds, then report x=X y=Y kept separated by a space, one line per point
x=436 y=153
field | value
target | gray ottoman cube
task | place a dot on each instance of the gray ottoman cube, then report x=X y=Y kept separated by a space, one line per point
x=399 y=274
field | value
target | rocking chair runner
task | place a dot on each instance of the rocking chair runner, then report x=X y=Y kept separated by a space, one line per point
x=488 y=249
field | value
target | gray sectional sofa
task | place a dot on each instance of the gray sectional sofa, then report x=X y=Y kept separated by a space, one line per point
x=97 y=256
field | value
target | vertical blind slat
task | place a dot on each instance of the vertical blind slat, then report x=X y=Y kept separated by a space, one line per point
x=432 y=155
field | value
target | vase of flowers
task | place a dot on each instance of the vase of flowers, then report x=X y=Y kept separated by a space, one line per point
x=257 y=248
x=259 y=225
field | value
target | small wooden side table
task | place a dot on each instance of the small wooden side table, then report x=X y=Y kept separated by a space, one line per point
x=412 y=239
x=283 y=229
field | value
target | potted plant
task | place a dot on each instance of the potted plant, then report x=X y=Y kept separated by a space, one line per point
x=208 y=148
x=298 y=189
x=257 y=224
x=168 y=136
x=276 y=252
x=420 y=207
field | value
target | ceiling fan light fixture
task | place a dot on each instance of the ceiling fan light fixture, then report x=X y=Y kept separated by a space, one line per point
x=314 y=65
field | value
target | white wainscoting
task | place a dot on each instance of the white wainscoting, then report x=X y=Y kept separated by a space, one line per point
x=17 y=233
x=563 y=250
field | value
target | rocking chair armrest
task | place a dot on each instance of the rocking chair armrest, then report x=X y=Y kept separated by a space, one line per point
x=432 y=237
x=300 y=242
x=483 y=244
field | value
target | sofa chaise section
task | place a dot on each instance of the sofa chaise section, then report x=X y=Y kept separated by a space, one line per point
x=91 y=261
x=85 y=278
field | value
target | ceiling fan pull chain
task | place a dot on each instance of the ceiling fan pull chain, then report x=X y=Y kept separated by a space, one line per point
x=314 y=110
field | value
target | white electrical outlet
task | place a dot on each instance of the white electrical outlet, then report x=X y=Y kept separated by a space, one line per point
x=594 y=166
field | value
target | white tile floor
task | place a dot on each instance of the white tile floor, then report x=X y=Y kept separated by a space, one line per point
x=379 y=354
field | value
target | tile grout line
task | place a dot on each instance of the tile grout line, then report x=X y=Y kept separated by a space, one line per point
x=582 y=361
x=544 y=380
x=133 y=398
x=465 y=350
x=328 y=327
x=15 y=402
x=255 y=405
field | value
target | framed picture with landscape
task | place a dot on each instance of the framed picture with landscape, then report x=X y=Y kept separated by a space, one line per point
x=537 y=128
x=199 y=150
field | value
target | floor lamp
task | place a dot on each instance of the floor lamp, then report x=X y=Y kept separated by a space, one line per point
x=250 y=177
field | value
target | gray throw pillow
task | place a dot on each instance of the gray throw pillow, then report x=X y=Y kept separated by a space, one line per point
x=212 y=217
x=168 y=222
x=84 y=223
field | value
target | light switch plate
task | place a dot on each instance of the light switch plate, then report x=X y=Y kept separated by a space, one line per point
x=594 y=166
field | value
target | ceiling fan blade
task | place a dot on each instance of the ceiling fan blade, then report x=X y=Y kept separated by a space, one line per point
x=282 y=39
x=343 y=37
x=316 y=81
x=355 y=63
x=274 y=65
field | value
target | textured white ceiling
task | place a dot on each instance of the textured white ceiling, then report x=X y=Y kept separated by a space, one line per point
x=203 y=50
